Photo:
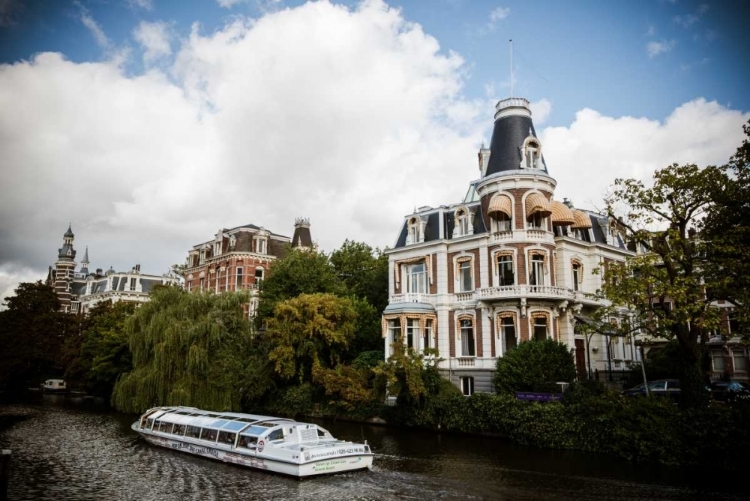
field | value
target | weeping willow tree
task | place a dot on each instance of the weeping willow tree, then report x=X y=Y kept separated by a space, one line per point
x=188 y=349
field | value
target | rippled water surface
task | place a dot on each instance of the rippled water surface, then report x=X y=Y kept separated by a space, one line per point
x=69 y=449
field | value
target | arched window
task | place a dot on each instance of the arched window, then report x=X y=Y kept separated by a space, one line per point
x=414 y=234
x=507 y=330
x=532 y=154
x=536 y=272
x=505 y=270
x=462 y=222
x=540 y=326
x=465 y=275
x=500 y=210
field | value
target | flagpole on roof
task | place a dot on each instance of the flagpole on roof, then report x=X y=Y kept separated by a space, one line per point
x=511 y=67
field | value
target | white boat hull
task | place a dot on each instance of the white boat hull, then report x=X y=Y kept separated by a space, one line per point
x=344 y=460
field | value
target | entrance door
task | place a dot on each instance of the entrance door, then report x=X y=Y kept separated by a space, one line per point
x=580 y=359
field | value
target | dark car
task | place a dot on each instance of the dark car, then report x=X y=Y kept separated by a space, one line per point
x=661 y=387
x=729 y=392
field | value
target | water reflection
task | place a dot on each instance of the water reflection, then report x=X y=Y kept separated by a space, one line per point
x=74 y=449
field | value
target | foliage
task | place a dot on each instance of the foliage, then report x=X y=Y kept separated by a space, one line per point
x=188 y=349
x=364 y=272
x=726 y=226
x=32 y=335
x=661 y=222
x=368 y=359
x=532 y=363
x=349 y=387
x=105 y=353
x=663 y=363
x=307 y=332
x=298 y=272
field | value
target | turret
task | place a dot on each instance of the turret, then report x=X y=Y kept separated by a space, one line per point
x=302 y=238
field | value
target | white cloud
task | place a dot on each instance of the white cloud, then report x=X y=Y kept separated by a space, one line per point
x=154 y=37
x=142 y=4
x=653 y=49
x=540 y=111
x=259 y=122
x=587 y=156
x=688 y=20
x=10 y=276
x=499 y=14
x=101 y=39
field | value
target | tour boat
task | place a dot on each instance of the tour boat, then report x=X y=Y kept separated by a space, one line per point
x=54 y=386
x=263 y=442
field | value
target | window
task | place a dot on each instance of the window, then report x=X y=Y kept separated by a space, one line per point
x=537 y=270
x=740 y=362
x=132 y=284
x=467 y=385
x=261 y=245
x=413 y=236
x=508 y=330
x=416 y=278
x=502 y=222
x=217 y=248
x=576 y=275
x=412 y=331
x=258 y=275
x=537 y=221
x=394 y=330
x=202 y=281
x=238 y=284
x=532 y=154
x=190 y=285
x=466 y=283
x=462 y=222
x=540 y=328
x=717 y=358
x=427 y=335
x=467 y=338
x=582 y=234
x=216 y=285
x=505 y=270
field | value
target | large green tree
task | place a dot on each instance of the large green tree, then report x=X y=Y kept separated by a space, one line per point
x=188 y=349
x=665 y=286
x=32 y=334
x=364 y=271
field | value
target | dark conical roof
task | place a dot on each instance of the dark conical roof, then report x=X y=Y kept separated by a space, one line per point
x=302 y=236
x=513 y=125
x=69 y=233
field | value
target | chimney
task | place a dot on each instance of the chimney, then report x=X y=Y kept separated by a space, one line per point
x=568 y=203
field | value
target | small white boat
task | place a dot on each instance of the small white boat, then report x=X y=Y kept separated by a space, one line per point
x=54 y=386
x=263 y=442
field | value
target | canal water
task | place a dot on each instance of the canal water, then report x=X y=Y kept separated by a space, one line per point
x=73 y=449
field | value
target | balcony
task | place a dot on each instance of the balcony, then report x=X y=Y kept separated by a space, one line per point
x=502 y=236
x=412 y=297
x=539 y=235
x=459 y=363
x=528 y=291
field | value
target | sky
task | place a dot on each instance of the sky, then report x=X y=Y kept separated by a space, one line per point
x=150 y=124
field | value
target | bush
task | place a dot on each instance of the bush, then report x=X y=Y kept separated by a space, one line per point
x=533 y=363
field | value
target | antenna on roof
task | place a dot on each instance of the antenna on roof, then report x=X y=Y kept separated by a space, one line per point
x=511 y=67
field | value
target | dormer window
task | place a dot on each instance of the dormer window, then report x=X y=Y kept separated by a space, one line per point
x=531 y=154
x=261 y=245
x=414 y=234
x=462 y=223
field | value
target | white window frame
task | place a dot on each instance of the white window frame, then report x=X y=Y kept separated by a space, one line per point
x=416 y=280
x=259 y=279
x=576 y=270
x=718 y=354
x=547 y=327
x=427 y=335
x=465 y=275
x=537 y=270
x=502 y=326
x=467 y=385
x=465 y=331
x=238 y=278
x=739 y=354
x=412 y=333
x=498 y=269
x=394 y=330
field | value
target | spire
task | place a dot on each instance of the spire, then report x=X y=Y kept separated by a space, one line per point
x=85 y=262
x=69 y=233
x=67 y=252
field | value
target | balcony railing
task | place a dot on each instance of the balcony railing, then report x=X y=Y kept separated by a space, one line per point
x=535 y=234
x=540 y=291
x=464 y=296
x=500 y=236
x=412 y=297
x=466 y=362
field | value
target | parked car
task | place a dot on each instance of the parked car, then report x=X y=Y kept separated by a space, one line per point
x=661 y=387
x=729 y=391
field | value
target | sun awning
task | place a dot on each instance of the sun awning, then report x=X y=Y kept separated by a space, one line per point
x=561 y=214
x=582 y=221
x=500 y=203
x=536 y=203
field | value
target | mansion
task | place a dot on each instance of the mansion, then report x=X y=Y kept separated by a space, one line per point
x=507 y=264
x=79 y=291
x=239 y=258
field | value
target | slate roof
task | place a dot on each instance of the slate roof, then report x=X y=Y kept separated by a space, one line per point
x=508 y=136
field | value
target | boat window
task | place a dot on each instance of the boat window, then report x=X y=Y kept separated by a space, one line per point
x=209 y=435
x=193 y=432
x=248 y=442
x=149 y=423
x=165 y=427
x=321 y=433
x=234 y=426
x=226 y=437
x=217 y=423
x=257 y=429
x=179 y=429
x=276 y=434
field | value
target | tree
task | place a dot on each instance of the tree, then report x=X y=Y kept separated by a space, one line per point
x=363 y=271
x=726 y=226
x=188 y=349
x=32 y=334
x=533 y=363
x=298 y=272
x=105 y=353
x=665 y=285
x=308 y=332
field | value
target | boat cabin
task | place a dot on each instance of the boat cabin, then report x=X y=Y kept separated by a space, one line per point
x=238 y=431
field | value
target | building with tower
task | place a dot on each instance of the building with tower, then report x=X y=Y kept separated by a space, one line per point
x=78 y=291
x=239 y=258
x=508 y=263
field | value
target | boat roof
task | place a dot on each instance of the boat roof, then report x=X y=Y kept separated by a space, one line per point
x=224 y=421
